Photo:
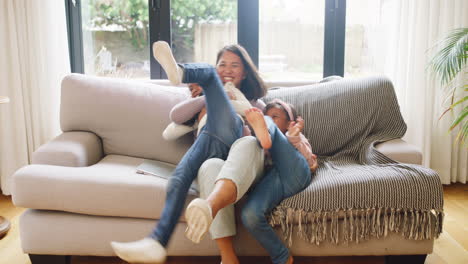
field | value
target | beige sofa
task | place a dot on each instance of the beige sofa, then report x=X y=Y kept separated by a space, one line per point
x=82 y=190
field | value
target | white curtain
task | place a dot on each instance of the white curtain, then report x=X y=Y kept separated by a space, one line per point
x=416 y=27
x=34 y=59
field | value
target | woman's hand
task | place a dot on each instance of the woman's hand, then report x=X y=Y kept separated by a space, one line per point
x=195 y=89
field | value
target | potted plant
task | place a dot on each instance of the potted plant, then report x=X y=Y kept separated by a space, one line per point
x=447 y=64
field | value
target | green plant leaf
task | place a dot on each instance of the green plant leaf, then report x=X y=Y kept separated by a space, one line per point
x=461 y=116
x=451 y=59
x=463 y=134
x=459 y=102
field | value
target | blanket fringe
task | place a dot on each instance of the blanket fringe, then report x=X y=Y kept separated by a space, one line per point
x=358 y=224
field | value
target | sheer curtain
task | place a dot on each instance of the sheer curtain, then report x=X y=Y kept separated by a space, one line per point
x=418 y=25
x=34 y=54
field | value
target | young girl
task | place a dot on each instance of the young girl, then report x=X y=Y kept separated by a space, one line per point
x=213 y=141
x=285 y=117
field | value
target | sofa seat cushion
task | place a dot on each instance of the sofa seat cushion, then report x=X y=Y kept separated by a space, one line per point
x=401 y=151
x=109 y=188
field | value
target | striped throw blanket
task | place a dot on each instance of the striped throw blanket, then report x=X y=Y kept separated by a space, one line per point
x=371 y=193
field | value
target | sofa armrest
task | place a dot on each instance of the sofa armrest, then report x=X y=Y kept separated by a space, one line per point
x=401 y=151
x=71 y=149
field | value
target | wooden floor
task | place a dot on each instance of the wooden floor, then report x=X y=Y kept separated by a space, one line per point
x=450 y=248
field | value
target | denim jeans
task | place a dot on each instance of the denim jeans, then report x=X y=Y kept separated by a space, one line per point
x=214 y=141
x=290 y=174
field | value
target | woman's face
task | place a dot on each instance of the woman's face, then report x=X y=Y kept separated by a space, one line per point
x=279 y=117
x=231 y=69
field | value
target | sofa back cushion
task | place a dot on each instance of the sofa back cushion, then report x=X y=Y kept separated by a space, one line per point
x=340 y=115
x=129 y=116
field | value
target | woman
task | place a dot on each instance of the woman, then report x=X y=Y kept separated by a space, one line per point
x=214 y=140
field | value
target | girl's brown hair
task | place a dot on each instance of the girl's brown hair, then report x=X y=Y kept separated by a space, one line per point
x=277 y=105
x=252 y=86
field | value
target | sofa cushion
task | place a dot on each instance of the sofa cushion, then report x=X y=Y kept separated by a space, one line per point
x=401 y=151
x=109 y=188
x=129 y=116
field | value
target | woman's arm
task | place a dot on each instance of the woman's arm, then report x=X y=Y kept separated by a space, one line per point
x=186 y=110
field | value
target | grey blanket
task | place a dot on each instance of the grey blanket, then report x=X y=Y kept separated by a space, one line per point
x=370 y=192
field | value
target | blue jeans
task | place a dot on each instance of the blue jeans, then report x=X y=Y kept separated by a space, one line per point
x=290 y=174
x=214 y=141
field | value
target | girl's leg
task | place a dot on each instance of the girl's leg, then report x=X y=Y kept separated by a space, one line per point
x=222 y=120
x=163 y=54
x=266 y=195
x=292 y=167
x=218 y=105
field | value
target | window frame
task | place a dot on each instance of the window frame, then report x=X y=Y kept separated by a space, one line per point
x=334 y=38
x=75 y=35
x=247 y=33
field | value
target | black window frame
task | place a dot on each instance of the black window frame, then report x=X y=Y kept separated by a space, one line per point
x=334 y=38
x=247 y=33
x=75 y=35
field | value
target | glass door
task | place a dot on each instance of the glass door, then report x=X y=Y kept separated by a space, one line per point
x=291 y=39
x=115 y=38
x=202 y=27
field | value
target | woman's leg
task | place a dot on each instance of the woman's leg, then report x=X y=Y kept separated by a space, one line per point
x=223 y=227
x=266 y=195
x=223 y=224
x=226 y=248
x=243 y=166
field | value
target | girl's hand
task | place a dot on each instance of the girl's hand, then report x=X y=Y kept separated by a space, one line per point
x=296 y=127
x=195 y=89
x=314 y=165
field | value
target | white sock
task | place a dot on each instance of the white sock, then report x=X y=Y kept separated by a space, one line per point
x=163 y=54
x=199 y=217
x=146 y=250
